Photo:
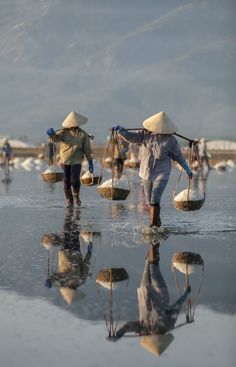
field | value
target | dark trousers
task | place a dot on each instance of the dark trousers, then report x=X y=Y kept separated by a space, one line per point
x=71 y=176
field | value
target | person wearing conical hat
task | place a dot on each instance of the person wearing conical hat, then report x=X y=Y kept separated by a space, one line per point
x=158 y=147
x=156 y=315
x=203 y=153
x=74 y=145
x=7 y=151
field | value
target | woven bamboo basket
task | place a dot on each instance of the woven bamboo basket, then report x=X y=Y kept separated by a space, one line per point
x=113 y=193
x=91 y=181
x=112 y=275
x=53 y=177
x=188 y=205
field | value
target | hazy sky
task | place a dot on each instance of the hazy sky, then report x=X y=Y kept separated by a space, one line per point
x=117 y=61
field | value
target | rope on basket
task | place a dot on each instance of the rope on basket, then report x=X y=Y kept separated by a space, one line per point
x=190 y=156
x=113 y=141
x=51 y=152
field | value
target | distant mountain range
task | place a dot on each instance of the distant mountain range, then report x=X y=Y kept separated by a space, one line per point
x=116 y=62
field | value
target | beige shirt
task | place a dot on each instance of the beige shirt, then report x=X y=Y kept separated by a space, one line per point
x=74 y=145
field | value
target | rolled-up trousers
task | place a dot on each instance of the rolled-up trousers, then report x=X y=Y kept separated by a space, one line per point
x=71 y=176
x=153 y=191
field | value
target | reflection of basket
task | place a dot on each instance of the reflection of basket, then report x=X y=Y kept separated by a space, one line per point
x=112 y=275
x=51 y=239
x=91 y=181
x=188 y=204
x=53 y=176
x=187 y=258
x=113 y=193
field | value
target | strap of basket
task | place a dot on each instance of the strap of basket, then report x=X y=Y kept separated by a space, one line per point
x=50 y=152
x=101 y=173
x=112 y=141
x=190 y=155
x=116 y=141
x=178 y=179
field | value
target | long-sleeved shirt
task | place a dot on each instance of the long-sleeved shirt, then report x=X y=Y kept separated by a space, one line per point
x=74 y=145
x=156 y=153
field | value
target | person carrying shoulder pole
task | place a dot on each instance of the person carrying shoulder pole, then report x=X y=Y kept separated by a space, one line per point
x=74 y=145
x=158 y=147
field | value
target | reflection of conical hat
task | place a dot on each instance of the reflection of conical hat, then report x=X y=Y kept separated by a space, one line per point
x=68 y=294
x=73 y=120
x=160 y=124
x=156 y=344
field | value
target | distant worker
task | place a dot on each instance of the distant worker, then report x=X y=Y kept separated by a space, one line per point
x=120 y=151
x=7 y=151
x=133 y=152
x=74 y=145
x=158 y=147
x=203 y=153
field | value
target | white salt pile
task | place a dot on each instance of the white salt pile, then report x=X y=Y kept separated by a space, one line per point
x=121 y=184
x=87 y=174
x=221 y=145
x=53 y=169
x=230 y=163
x=221 y=166
x=192 y=196
x=28 y=164
x=107 y=285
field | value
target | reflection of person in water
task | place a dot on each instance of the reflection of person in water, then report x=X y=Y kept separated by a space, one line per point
x=73 y=268
x=156 y=316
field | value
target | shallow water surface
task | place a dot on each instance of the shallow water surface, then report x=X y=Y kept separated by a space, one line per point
x=45 y=324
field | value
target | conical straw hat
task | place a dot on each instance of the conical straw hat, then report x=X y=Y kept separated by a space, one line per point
x=68 y=294
x=156 y=344
x=160 y=124
x=74 y=119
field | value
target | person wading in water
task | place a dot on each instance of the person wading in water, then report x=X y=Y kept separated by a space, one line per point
x=158 y=147
x=74 y=145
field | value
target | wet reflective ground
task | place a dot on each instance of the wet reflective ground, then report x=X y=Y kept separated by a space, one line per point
x=46 y=323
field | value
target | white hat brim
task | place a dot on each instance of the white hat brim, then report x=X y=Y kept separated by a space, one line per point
x=160 y=124
x=74 y=119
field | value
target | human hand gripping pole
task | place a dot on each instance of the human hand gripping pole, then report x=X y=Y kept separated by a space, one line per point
x=50 y=131
x=117 y=128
